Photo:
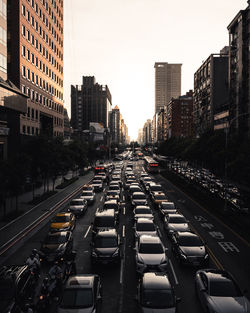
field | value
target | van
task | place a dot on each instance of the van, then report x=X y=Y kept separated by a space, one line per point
x=104 y=219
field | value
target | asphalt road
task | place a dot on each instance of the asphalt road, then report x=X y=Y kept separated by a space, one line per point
x=119 y=282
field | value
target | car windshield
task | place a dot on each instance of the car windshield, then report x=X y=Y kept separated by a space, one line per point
x=55 y=239
x=105 y=242
x=155 y=188
x=139 y=196
x=177 y=219
x=224 y=288
x=160 y=197
x=77 y=298
x=145 y=227
x=114 y=187
x=87 y=193
x=104 y=221
x=151 y=248
x=76 y=202
x=110 y=206
x=158 y=299
x=97 y=182
x=143 y=211
x=112 y=193
x=189 y=241
x=61 y=219
x=168 y=205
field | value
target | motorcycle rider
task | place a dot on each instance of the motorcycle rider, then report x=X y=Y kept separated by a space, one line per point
x=33 y=264
x=56 y=275
x=70 y=266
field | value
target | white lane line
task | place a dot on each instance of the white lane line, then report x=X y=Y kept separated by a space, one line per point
x=123 y=231
x=86 y=234
x=121 y=272
x=101 y=198
x=172 y=269
x=124 y=210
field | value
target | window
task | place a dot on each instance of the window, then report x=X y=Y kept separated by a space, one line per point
x=23 y=10
x=23 y=89
x=32 y=77
x=23 y=30
x=28 y=35
x=28 y=54
x=23 y=71
x=28 y=15
x=23 y=51
x=32 y=58
x=24 y=129
x=32 y=21
x=28 y=73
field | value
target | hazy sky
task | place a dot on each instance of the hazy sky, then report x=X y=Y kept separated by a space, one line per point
x=118 y=42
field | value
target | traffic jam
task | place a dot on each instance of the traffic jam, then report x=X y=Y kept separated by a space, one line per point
x=121 y=245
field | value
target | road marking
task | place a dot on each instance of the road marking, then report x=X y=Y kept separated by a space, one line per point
x=101 y=198
x=86 y=234
x=172 y=269
x=216 y=234
x=121 y=272
x=207 y=225
x=124 y=210
x=200 y=218
x=215 y=260
x=123 y=231
x=228 y=247
x=210 y=214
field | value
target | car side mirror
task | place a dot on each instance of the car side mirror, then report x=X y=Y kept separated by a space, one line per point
x=178 y=300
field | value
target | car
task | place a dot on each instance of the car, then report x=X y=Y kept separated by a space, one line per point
x=138 y=198
x=111 y=204
x=133 y=188
x=156 y=294
x=129 y=182
x=78 y=206
x=87 y=187
x=63 y=221
x=146 y=181
x=145 y=226
x=175 y=222
x=113 y=195
x=57 y=245
x=167 y=207
x=189 y=249
x=115 y=187
x=143 y=211
x=153 y=187
x=104 y=219
x=81 y=294
x=158 y=198
x=17 y=286
x=218 y=292
x=150 y=255
x=106 y=247
x=89 y=196
x=97 y=184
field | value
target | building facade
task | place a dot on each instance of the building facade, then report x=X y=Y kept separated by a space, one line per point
x=90 y=102
x=210 y=91
x=180 y=116
x=35 y=63
x=161 y=126
x=167 y=83
x=115 y=125
x=239 y=71
x=147 y=132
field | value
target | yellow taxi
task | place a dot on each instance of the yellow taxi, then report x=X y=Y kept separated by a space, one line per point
x=158 y=198
x=63 y=221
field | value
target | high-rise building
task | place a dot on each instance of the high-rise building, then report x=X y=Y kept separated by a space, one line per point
x=12 y=101
x=35 y=62
x=167 y=83
x=115 y=125
x=147 y=132
x=180 y=116
x=239 y=71
x=90 y=102
x=210 y=91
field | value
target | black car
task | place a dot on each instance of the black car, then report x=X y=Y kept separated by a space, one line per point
x=57 y=245
x=189 y=249
x=17 y=286
x=156 y=294
x=106 y=247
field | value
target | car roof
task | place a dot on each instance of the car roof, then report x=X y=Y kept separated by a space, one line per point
x=217 y=275
x=107 y=212
x=156 y=281
x=112 y=201
x=58 y=233
x=81 y=281
x=186 y=234
x=63 y=214
x=105 y=232
x=144 y=220
x=149 y=239
x=139 y=193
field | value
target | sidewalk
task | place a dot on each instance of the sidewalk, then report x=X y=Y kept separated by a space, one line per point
x=25 y=198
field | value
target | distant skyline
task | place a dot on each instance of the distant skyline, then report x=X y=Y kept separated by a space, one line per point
x=118 y=42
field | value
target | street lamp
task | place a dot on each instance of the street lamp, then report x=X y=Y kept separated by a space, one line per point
x=230 y=122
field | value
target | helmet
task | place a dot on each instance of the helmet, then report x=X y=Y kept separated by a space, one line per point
x=34 y=251
x=45 y=280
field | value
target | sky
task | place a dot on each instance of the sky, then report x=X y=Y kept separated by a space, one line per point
x=118 y=42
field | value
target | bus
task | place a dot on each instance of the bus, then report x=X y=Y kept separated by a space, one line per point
x=151 y=165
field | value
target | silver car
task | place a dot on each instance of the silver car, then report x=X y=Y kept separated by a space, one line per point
x=174 y=223
x=88 y=195
x=145 y=226
x=150 y=255
x=82 y=294
x=78 y=206
x=218 y=292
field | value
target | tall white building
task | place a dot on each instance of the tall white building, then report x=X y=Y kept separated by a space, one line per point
x=167 y=83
